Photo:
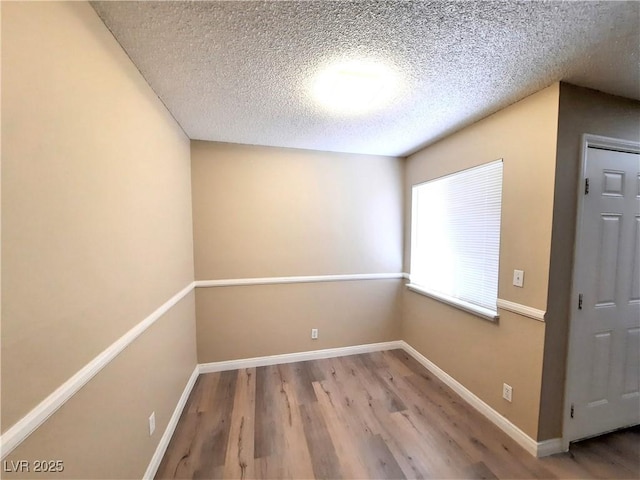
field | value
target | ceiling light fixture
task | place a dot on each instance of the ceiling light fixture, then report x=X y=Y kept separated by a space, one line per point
x=355 y=86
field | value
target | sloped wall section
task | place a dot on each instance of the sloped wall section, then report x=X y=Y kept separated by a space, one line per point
x=97 y=234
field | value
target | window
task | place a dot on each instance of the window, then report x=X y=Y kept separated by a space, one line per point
x=455 y=238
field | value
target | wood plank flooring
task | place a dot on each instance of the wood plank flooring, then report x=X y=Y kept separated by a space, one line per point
x=376 y=415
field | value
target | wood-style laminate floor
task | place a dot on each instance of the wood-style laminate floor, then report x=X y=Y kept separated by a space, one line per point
x=376 y=415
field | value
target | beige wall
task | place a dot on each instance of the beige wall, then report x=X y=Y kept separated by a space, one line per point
x=581 y=111
x=269 y=212
x=96 y=221
x=479 y=354
x=252 y=321
x=102 y=431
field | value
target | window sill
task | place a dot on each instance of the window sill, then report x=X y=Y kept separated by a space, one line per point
x=481 y=312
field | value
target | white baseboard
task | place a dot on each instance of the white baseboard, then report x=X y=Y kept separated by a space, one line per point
x=550 y=447
x=171 y=426
x=297 y=357
x=537 y=449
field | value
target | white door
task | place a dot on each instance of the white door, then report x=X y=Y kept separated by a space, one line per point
x=605 y=328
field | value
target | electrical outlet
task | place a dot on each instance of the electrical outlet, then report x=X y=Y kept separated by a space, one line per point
x=507 y=392
x=518 y=278
x=152 y=423
x=314 y=333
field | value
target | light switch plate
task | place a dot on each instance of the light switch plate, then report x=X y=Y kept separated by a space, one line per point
x=518 y=278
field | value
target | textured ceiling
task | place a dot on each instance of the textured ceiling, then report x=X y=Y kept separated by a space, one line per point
x=240 y=71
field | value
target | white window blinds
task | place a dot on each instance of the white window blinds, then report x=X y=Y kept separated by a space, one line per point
x=455 y=235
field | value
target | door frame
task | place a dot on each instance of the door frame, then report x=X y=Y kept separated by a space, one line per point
x=587 y=141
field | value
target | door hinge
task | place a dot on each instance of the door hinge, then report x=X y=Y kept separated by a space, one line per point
x=572 y=410
x=586 y=186
x=580 y=301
